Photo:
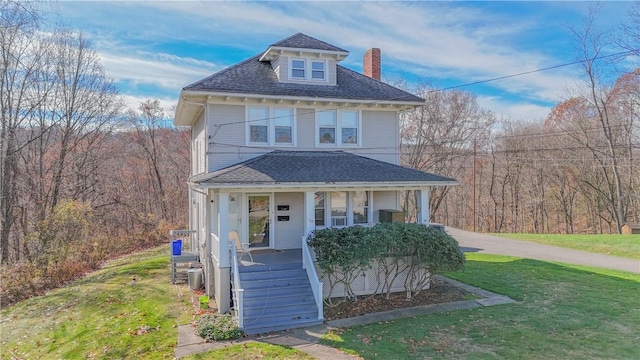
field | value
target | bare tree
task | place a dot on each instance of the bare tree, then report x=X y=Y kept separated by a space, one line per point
x=436 y=136
x=23 y=64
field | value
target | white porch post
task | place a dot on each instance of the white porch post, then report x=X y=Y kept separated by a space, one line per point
x=223 y=280
x=423 y=210
x=309 y=213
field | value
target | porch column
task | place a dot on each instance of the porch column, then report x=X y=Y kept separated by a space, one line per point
x=222 y=281
x=423 y=209
x=309 y=212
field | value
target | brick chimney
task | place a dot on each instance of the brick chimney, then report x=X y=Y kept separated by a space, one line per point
x=371 y=63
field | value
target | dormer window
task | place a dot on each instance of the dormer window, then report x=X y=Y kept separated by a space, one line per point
x=309 y=70
x=317 y=70
x=298 y=67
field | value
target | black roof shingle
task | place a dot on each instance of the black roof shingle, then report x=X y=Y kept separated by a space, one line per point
x=253 y=76
x=302 y=41
x=332 y=167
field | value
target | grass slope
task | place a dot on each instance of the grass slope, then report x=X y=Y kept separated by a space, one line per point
x=565 y=312
x=627 y=246
x=108 y=316
x=105 y=315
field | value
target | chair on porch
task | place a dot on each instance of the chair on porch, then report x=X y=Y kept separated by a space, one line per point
x=241 y=249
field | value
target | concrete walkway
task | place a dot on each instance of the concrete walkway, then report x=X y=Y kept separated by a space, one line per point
x=307 y=339
x=483 y=243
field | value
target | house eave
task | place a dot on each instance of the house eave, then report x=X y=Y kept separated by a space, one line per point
x=223 y=97
x=292 y=187
x=273 y=51
x=187 y=111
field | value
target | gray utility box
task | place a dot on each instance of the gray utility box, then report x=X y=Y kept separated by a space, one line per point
x=391 y=216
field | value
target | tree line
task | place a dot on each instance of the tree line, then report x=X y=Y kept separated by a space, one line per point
x=83 y=177
x=575 y=172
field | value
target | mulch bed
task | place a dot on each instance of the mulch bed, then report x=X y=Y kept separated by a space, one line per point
x=439 y=293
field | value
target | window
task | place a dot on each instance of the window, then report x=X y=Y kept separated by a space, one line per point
x=338 y=208
x=327 y=127
x=360 y=207
x=341 y=208
x=259 y=125
x=270 y=126
x=338 y=127
x=283 y=121
x=307 y=69
x=319 y=200
x=349 y=127
x=298 y=69
x=317 y=70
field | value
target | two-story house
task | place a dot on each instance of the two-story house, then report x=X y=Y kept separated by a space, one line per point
x=284 y=143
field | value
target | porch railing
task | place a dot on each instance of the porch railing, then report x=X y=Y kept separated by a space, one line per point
x=238 y=301
x=316 y=284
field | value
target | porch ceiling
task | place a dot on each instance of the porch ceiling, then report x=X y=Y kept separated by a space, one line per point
x=317 y=169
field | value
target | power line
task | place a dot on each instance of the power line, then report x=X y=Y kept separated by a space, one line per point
x=376 y=102
x=534 y=71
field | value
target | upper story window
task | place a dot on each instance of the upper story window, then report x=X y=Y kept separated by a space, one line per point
x=338 y=128
x=298 y=69
x=305 y=69
x=317 y=70
x=270 y=126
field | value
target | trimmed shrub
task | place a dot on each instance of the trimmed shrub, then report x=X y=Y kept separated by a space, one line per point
x=343 y=254
x=218 y=327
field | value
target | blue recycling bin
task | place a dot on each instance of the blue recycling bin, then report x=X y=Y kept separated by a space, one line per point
x=176 y=247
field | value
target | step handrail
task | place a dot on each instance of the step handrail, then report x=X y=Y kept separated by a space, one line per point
x=237 y=288
x=316 y=284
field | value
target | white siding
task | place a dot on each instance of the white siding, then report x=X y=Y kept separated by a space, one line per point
x=198 y=146
x=277 y=66
x=306 y=121
x=384 y=200
x=288 y=234
x=332 y=72
x=380 y=136
x=226 y=141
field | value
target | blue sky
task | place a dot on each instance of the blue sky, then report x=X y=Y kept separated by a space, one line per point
x=154 y=48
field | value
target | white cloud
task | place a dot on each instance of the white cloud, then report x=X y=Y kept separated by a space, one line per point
x=448 y=41
x=163 y=70
x=514 y=110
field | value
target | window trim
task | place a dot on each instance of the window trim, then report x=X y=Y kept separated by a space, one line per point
x=324 y=70
x=308 y=69
x=338 y=133
x=304 y=68
x=328 y=206
x=271 y=126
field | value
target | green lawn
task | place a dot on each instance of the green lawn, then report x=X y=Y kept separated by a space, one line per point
x=565 y=312
x=627 y=246
x=251 y=351
x=108 y=316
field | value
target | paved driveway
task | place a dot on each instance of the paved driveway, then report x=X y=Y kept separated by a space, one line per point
x=482 y=243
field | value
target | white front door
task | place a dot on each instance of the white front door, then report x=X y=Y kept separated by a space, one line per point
x=259 y=224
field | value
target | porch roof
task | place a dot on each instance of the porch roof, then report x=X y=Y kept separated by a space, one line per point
x=317 y=167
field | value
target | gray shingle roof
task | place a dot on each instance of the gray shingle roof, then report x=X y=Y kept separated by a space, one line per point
x=255 y=77
x=282 y=167
x=302 y=41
